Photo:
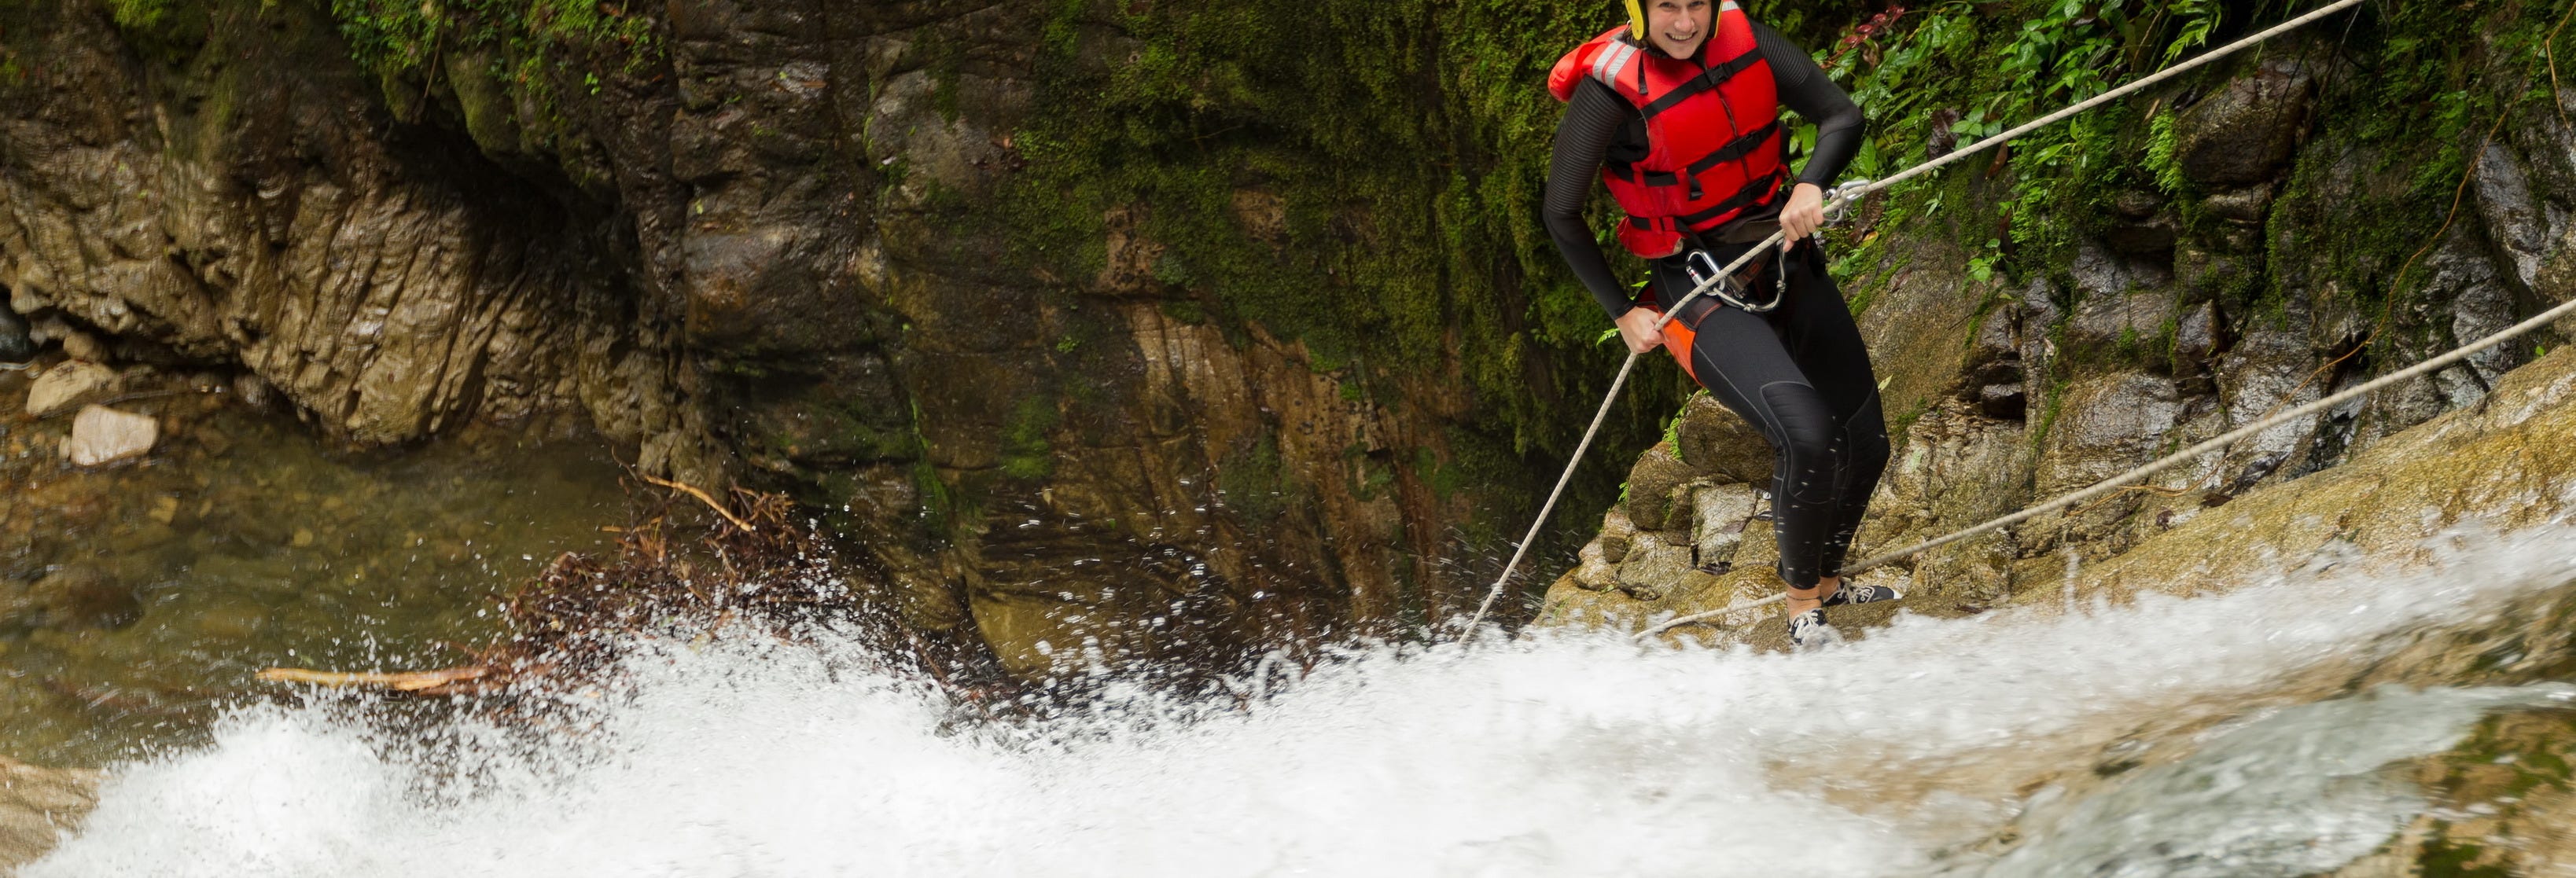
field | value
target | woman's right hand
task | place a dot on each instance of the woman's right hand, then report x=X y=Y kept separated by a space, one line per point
x=1637 y=328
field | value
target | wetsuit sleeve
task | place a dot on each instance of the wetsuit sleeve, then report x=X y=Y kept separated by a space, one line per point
x=1583 y=137
x=1808 y=92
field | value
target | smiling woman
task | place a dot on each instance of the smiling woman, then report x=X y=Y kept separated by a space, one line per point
x=1683 y=128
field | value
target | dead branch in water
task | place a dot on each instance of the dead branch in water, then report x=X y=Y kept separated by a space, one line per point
x=702 y=496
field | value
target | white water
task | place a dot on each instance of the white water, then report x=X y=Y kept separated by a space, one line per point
x=1562 y=756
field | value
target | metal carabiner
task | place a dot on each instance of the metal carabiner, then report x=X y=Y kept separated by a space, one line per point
x=1702 y=268
x=1707 y=274
x=1838 y=207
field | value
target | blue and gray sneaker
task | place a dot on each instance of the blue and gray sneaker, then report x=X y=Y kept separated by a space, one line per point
x=1853 y=593
x=1808 y=631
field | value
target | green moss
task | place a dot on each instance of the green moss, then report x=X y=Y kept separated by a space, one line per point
x=2445 y=857
x=1027 y=452
x=1253 y=483
x=139 y=14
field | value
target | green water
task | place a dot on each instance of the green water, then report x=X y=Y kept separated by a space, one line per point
x=247 y=544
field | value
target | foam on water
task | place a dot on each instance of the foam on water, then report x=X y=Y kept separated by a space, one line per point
x=1556 y=755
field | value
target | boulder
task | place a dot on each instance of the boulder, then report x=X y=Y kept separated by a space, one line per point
x=38 y=805
x=68 y=599
x=1592 y=571
x=2519 y=226
x=2107 y=425
x=1651 y=489
x=1655 y=567
x=2004 y=402
x=2246 y=132
x=84 y=346
x=104 y=435
x=1616 y=533
x=2148 y=237
x=1718 y=516
x=2245 y=205
x=70 y=384
x=1714 y=440
x=2199 y=335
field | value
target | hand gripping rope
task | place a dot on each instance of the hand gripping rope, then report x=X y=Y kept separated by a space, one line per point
x=1837 y=202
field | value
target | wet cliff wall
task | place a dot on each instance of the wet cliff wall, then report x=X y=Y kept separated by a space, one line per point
x=2342 y=203
x=1150 y=328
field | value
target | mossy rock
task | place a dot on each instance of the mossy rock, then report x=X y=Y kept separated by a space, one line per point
x=1714 y=440
x=1655 y=501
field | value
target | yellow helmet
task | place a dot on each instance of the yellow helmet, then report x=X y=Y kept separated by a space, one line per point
x=1636 y=20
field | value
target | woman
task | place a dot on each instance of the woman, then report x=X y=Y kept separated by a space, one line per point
x=1678 y=113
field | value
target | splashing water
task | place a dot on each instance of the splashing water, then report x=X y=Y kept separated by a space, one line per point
x=1561 y=754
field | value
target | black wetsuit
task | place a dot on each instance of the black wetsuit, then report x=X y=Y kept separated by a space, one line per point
x=1798 y=373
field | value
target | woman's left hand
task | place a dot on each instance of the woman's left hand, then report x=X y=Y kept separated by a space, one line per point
x=1804 y=214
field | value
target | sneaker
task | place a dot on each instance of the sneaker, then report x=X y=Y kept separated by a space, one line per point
x=1851 y=593
x=1808 y=630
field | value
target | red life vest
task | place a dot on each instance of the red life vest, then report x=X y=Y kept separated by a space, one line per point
x=1713 y=131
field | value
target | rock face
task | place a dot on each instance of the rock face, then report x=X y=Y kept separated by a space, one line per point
x=1068 y=386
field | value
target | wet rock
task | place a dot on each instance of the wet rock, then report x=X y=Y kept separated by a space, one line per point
x=1715 y=441
x=68 y=385
x=1656 y=565
x=2246 y=132
x=2131 y=323
x=1718 y=516
x=2479 y=302
x=2038 y=308
x=2137 y=204
x=2522 y=231
x=38 y=806
x=84 y=346
x=2108 y=425
x=2266 y=371
x=1652 y=485
x=2003 y=401
x=2098 y=273
x=2503 y=466
x=1998 y=340
x=2153 y=236
x=2240 y=205
x=15 y=346
x=68 y=599
x=104 y=435
x=2204 y=273
x=2199 y=335
x=1973 y=576
x=1593 y=571
x=1616 y=534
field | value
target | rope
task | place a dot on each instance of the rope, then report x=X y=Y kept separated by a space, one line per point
x=1840 y=197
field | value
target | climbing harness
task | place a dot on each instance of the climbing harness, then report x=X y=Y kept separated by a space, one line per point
x=1704 y=274
x=1837 y=201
